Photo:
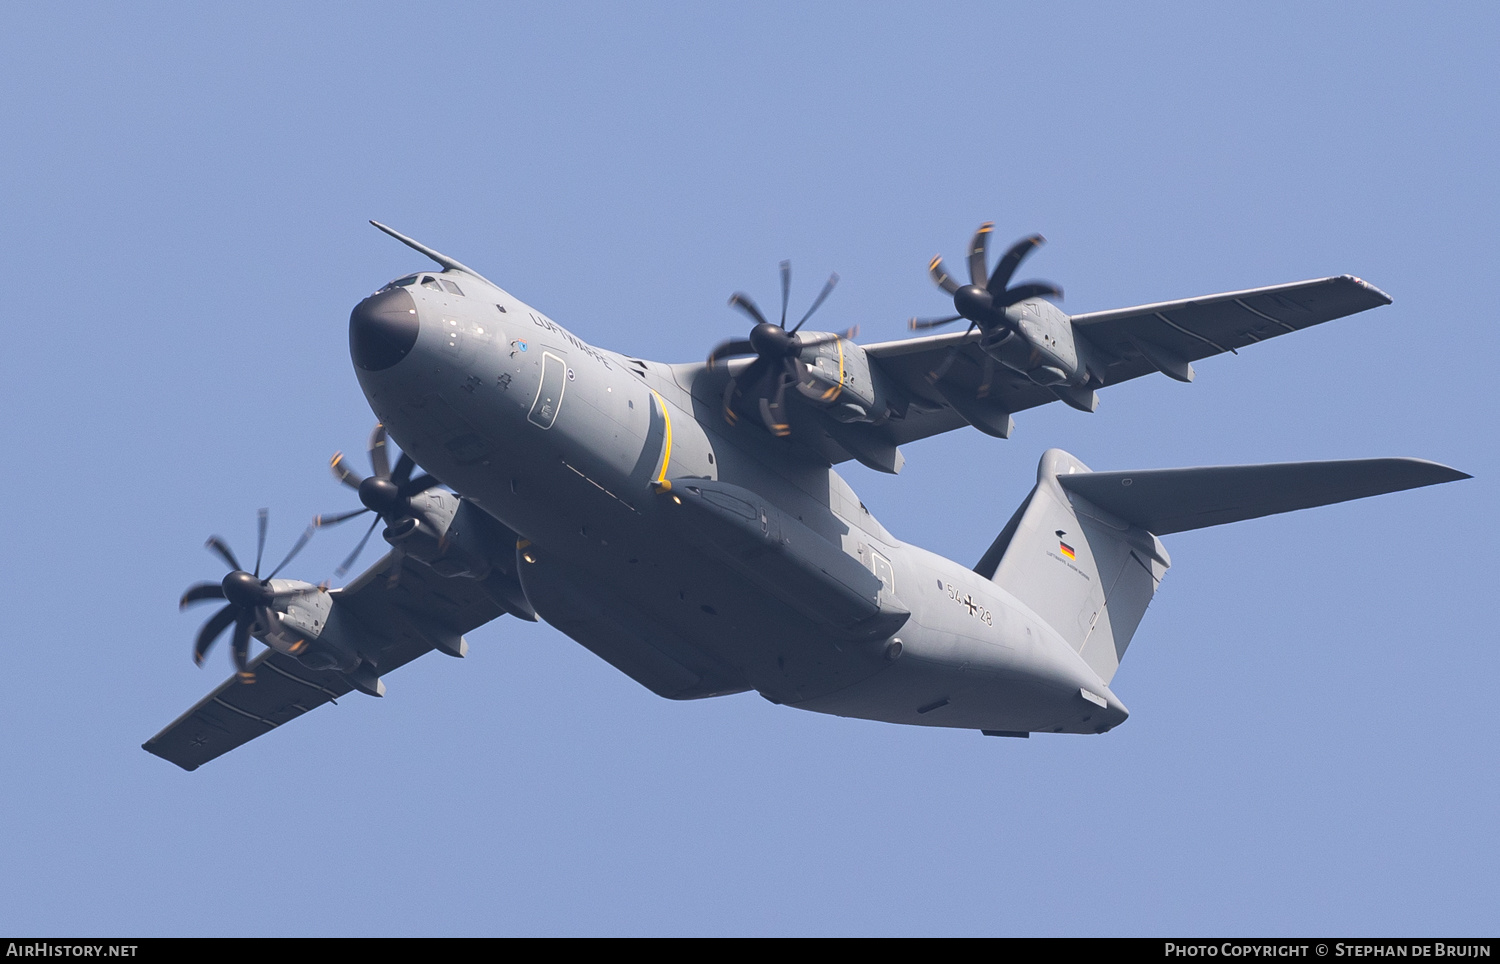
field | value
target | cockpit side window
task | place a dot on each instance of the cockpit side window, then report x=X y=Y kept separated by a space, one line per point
x=451 y=287
x=428 y=281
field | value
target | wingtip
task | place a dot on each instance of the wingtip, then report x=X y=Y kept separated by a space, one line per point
x=1378 y=293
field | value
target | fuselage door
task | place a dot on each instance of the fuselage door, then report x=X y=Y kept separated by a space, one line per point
x=549 y=393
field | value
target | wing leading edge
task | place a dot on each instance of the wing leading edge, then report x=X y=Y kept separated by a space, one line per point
x=1128 y=339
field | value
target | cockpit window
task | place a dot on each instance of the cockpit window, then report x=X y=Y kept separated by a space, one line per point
x=407 y=281
x=451 y=287
x=428 y=281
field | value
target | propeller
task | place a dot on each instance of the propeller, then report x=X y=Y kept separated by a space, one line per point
x=984 y=299
x=777 y=350
x=249 y=598
x=387 y=493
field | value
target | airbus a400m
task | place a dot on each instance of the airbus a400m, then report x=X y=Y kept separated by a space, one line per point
x=686 y=522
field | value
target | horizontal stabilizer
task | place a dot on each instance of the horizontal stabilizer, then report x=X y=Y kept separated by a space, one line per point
x=1082 y=552
x=1163 y=501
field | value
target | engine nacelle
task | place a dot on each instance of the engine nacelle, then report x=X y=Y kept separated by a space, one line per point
x=448 y=534
x=840 y=379
x=1038 y=340
x=311 y=630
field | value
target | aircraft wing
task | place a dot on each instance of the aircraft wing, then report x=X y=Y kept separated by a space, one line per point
x=397 y=623
x=1190 y=329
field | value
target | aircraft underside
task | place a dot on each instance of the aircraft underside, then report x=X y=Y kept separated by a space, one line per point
x=685 y=522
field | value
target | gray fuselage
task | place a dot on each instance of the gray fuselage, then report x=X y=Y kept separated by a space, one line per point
x=582 y=452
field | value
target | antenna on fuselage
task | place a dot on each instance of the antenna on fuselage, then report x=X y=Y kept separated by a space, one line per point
x=437 y=256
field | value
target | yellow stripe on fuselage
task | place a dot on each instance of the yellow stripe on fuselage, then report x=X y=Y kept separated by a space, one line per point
x=666 y=449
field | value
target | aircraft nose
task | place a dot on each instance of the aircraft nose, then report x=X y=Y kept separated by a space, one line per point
x=382 y=329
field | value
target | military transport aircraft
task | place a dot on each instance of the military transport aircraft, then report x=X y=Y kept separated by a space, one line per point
x=685 y=522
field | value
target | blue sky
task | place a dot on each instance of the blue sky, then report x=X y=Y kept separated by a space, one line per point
x=185 y=190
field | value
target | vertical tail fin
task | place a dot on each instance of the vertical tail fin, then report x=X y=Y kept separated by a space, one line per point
x=1082 y=550
x=1087 y=572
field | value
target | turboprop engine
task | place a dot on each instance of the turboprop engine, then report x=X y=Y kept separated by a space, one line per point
x=1018 y=329
x=440 y=529
x=288 y=615
x=422 y=521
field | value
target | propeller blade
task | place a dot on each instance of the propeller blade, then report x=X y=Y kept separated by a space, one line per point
x=240 y=648
x=773 y=411
x=1009 y=263
x=922 y=324
x=936 y=375
x=393 y=575
x=380 y=461
x=324 y=521
x=730 y=349
x=988 y=381
x=1031 y=289
x=755 y=373
x=211 y=631
x=751 y=376
x=786 y=288
x=418 y=485
x=940 y=275
x=200 y=592
x=978 y=249
x=343 y=473
x=344 y=566
x=262 y=519
x=404 y=466
x=833 y=280
x=744 y=303
x=731 y=388
x=296 y=548
x=217 y=545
